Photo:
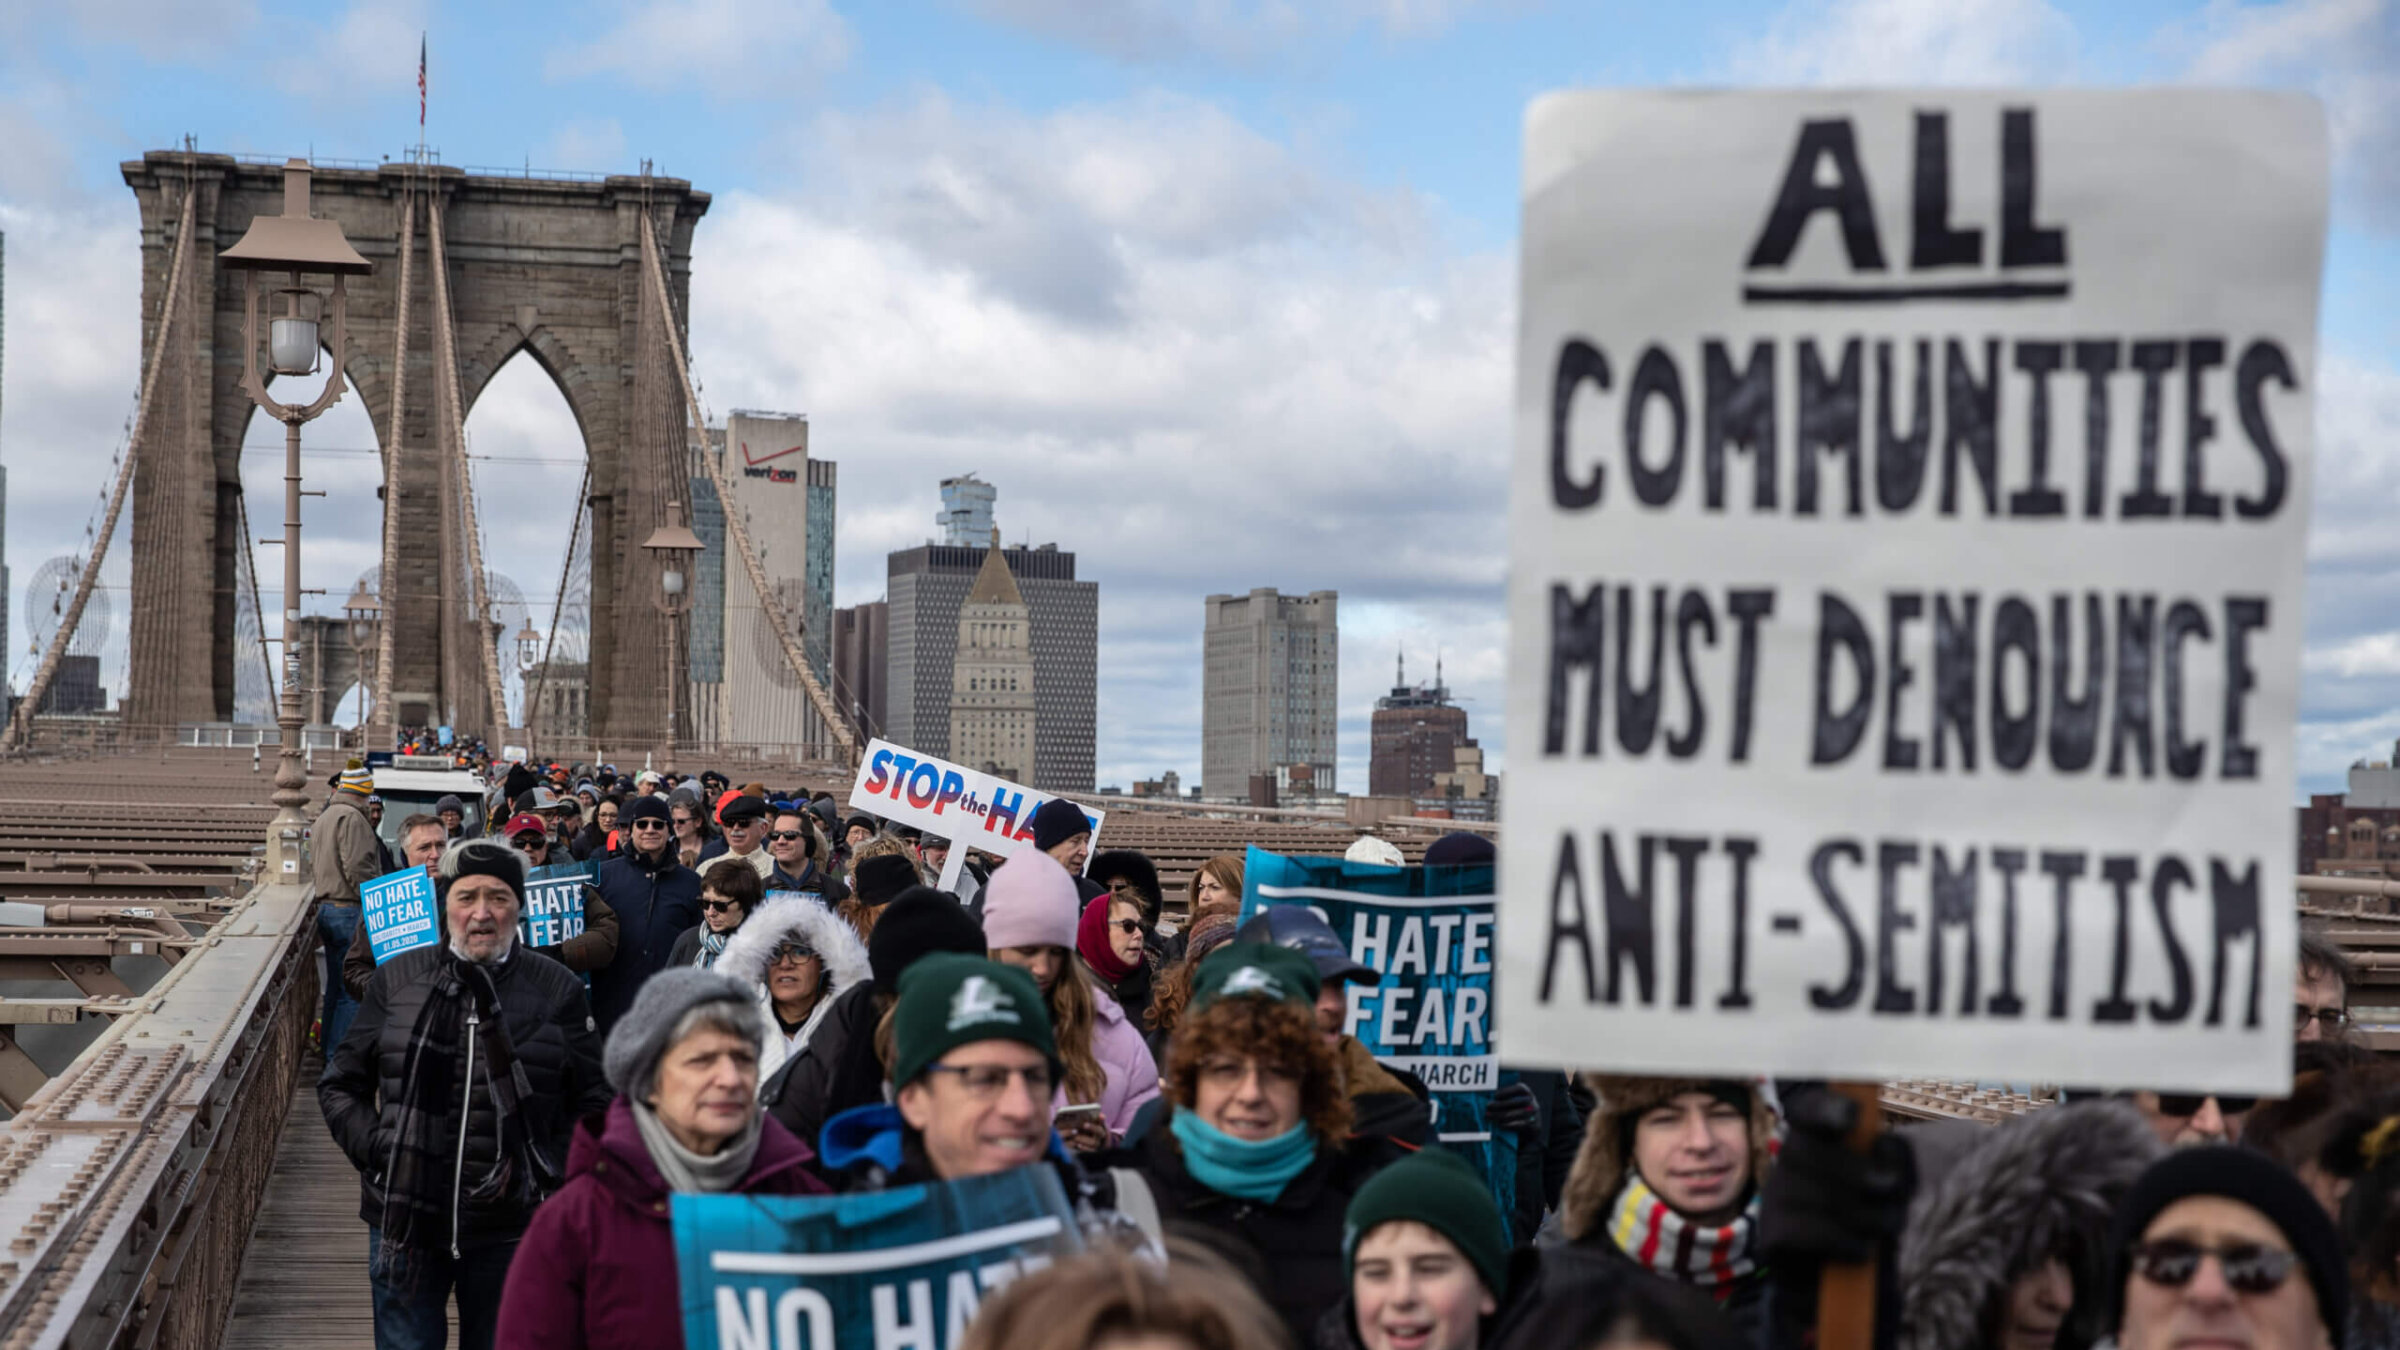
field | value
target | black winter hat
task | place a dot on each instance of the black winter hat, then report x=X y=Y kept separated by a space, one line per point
x=2255 y=1180
x=646 y=807
x=860 y=821
x=882 y=878
x=479 y=858
x=1459 y=849
x=1057 y=821
x=917 y=921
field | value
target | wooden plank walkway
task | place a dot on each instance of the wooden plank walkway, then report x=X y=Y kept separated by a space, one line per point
x=304 y=1276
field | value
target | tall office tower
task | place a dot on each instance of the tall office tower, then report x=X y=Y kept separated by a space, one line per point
x=991 y=677
x=1269 y=688
x=966 y=515
x=862 y=638
x=927 y=586
x=1415 y=734
x=787 y=502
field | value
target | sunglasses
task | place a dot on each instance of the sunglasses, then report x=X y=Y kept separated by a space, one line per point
x=718 y=906
x=1126 y=925
x=650 y=824
x=787 y=836
x=2187 y=1105
x=2248 y=1267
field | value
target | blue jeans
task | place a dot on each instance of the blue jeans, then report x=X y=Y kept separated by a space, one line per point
x=336 y=926
x=420 y=1320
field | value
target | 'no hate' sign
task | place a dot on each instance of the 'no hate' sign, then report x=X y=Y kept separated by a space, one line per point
x=1908 y=520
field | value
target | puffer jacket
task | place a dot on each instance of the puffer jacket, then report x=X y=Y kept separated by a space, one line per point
x=2039 y=1187
x=597 y=1268
x=655 y=899
x=751 y=949
x=549 y=1023
x=1132 y=1074
x=1289 y=1247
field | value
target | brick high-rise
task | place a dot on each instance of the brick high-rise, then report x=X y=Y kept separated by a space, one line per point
x=1413 y=736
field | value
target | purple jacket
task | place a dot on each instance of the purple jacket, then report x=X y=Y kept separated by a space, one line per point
x=1132 y=1075
x=597 y=1268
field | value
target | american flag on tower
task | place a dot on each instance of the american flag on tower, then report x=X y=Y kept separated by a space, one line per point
x=420 y=81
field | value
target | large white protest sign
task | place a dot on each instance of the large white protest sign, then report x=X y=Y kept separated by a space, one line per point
x=1908 y=518
x=970 y=809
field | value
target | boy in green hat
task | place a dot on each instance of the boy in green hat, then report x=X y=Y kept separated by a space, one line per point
x=1427 y=1256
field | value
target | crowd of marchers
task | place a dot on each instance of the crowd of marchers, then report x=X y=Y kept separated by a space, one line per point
x=763 y=1000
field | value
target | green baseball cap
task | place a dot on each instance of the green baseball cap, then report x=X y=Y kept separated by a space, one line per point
x=1261 y=969
x=948 y=1000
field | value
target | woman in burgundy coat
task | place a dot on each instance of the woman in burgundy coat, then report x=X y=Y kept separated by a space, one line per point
x=597 y=1268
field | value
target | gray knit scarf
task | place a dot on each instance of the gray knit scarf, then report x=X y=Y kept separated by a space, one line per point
x=688 y=1171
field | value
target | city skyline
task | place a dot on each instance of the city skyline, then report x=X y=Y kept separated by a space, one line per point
x=973 y=237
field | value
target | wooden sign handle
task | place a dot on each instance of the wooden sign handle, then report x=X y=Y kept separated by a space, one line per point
x=1846 y=1297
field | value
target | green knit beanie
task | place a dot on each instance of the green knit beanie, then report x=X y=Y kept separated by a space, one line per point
x=948 y=1000
x=1257 y=968
x=1441 y=1191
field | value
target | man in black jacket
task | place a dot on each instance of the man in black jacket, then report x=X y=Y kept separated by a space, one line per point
x=655 y=898
x=455 y=1095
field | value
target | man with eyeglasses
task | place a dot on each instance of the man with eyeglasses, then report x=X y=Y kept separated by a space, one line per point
x=2221 y=1246
x=2321 y=980
x=974 y=1061
x=744 y=819
x=793 y=846
x=655 y=897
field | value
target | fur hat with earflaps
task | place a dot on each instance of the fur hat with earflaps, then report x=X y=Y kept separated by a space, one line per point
x=1606 y=1156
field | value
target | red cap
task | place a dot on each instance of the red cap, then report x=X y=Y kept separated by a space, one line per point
x=524 y=824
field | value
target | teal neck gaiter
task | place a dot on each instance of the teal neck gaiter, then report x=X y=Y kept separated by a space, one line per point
x=1239 y=1167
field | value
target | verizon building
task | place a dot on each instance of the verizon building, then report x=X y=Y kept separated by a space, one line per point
x=744 y=689
x=928 y=586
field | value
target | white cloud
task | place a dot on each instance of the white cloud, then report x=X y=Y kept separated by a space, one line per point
x=1239 y=31
x=1243 y=372
x=182 y=31
x=721 y=48
x=1914 y=42
x=2347 y=52
x=371 y=47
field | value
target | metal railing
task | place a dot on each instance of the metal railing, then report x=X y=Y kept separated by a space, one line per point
x=130 y=1180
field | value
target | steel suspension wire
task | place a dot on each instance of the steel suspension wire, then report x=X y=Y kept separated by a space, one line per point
x=558 y=603
x=250 y=575
x=20 y=727
x=737 y=531
x=387 y=571
x=454 y=429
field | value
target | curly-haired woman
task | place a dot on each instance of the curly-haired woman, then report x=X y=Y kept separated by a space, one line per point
x=1251 y=1155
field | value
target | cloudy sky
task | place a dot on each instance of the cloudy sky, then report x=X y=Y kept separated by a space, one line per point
x=1219 y=293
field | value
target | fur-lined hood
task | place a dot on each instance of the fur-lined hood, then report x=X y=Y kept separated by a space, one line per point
x=748 y=951
x=2041 y=1186
x=1600 y=1162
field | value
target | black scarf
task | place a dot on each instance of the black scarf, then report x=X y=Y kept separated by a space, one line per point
x=424 y=1181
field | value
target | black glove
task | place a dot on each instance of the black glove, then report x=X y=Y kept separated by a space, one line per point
x=1515 y=1108
x=1825 y=1203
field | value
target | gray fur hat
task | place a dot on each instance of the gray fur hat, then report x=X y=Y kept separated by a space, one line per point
x=645 y=1033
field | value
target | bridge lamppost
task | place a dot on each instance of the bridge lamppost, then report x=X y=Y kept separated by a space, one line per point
x=362 y=611
x=298 y=246
x=673 y=545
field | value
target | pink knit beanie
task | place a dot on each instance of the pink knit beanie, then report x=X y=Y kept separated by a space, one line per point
x=1029 y=902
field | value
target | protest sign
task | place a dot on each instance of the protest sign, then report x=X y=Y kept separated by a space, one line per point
x=554 y=902
x=971 y=809
x=397 y=909
x=1907 y=519
x=908 y=1266
x=1428 y=931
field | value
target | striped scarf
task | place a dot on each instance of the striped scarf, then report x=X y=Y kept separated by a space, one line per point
x=1666 y=1243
